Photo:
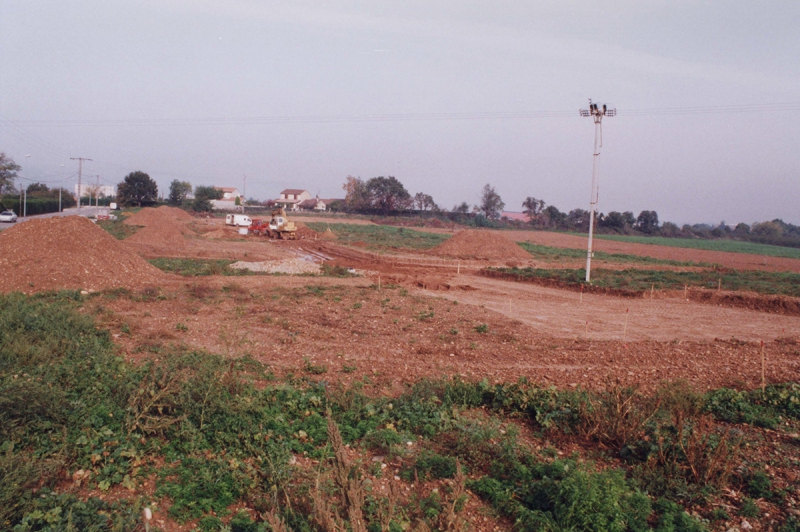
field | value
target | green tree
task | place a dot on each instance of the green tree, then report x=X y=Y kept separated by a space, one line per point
x=37 y=189
x=203 y=197
x=554 y=217
x=387 y=194
x=178 y=190
x=532 y=207
x=463 y=208
x=424 y=202
x=138 y=189
x=8 y=172
x=356 y=196
x=491 y=204
x=647 y=222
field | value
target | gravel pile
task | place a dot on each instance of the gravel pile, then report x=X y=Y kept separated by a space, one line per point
x=289 y=266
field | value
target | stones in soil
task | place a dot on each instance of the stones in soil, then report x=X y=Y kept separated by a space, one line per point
x=69 y=253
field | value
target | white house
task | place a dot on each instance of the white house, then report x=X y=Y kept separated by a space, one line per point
x=291 y=198
x=229 y=193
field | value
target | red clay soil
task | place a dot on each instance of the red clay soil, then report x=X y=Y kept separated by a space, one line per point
x=477 y=244
x=164 y=227
x=149 y=216
x=70 y=252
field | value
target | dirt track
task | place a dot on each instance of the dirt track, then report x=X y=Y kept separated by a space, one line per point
x=561 y=314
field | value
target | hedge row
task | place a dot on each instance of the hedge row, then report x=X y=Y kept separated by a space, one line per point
x=35 y=205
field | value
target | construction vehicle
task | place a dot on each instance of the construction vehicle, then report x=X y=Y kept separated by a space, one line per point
x=279 y=227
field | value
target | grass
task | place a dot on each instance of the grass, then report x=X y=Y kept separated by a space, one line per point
x=772 y=283
x=381 y=237
x=199 y=267
x=225 y=434
x=554 y=254
x=734 y=246
x=117 y=228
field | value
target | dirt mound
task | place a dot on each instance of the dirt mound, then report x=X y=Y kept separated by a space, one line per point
x=222 y=233
x=303 y=231
x=149 y=215
x=328 y=235
x=70 y=252
x=164 y=227
x=474 y=244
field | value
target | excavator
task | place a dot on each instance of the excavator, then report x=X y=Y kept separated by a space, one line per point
x=279 y=227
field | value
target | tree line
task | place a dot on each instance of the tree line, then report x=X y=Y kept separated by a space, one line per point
x=388 y=196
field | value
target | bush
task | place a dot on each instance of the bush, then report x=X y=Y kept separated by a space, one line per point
x=562 y=496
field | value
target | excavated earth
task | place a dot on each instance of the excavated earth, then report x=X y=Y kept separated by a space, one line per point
x=69 y=252
x=406 y=316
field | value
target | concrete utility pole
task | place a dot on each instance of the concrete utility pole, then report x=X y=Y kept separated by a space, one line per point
x=80 y=170
x=597 y=113
x=244 y=191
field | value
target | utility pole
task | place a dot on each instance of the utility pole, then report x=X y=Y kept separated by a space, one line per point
x=597 y=113
x=80 y=169
x=244 y=191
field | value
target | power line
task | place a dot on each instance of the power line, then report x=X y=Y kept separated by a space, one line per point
x=407 y=117
x=15 y=130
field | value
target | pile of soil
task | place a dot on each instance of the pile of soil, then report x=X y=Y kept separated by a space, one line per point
x=149 y=215
x=164 y=227
x=222 y=232
x=303 y=231
x=70 y=252
x=474 y=244
x=328 y=235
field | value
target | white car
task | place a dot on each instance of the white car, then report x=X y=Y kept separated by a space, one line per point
x=8 y=216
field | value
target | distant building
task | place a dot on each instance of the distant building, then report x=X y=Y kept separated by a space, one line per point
x=518 y=216
x=89 y=189
x=291 y=198
x=229 y=193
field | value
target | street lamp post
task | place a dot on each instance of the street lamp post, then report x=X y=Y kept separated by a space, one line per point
x=597 y=113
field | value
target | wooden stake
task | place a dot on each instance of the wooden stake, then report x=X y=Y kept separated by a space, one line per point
x=458 y=271
x=379 y=282
x=685 y=295
x=625 y=329
x=719 y=286
x=586 y=333
x=652 y=288
x=763 y=380
x=581 y=293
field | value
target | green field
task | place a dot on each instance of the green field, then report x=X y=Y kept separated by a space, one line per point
x=772 y=283
x=734 y=246
x=554 y=254
x=381 y=237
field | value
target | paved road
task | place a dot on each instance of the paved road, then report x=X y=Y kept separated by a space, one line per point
x=85 y=211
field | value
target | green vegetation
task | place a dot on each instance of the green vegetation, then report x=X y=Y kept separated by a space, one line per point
x=381 y=237
x=734 y=246
x=117 y=228
x=226 y=433
x=775 y=283
x=198 y=267
x=554 y=254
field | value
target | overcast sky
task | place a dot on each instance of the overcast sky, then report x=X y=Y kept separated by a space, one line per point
x=446 y=96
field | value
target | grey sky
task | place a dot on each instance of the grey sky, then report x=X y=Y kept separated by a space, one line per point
x=114 y=72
